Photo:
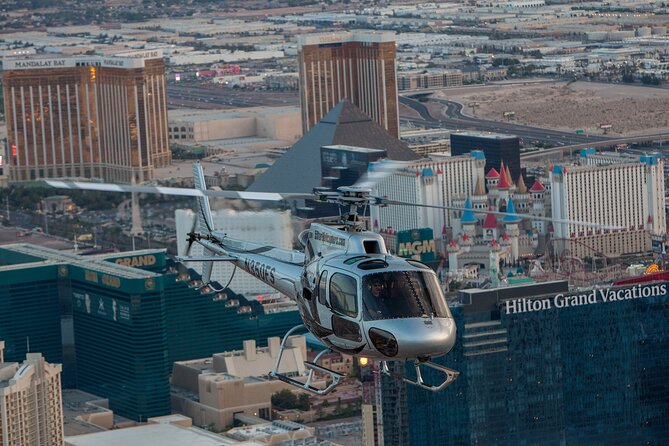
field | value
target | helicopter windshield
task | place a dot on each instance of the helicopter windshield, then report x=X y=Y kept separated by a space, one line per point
x=399 y=294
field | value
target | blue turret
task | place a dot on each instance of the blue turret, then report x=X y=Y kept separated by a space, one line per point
x=511 y=216
x=468 y=216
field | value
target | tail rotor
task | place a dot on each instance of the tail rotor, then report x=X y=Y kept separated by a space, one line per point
x=192 y=236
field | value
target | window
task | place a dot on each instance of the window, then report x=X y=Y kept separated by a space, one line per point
x=310 y=250
x=322 y=288
x=346 y=329
x=343 y=295
x=400 y=294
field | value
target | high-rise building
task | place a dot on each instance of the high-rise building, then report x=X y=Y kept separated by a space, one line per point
x=31 y=411
x=86 y=116
x=497 y=148
x=627 y=194
x=540 y=365
x=372 y=415
x=357 y=66
x=438 y=180
x=117 y=321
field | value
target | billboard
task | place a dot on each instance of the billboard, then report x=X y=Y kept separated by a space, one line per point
x=418 y=244
x=102 y=306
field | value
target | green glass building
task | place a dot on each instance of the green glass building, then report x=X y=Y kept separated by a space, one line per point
x=544 y=365
x=117 y=321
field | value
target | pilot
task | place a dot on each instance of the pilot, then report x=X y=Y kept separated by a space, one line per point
x=377 y=289
x=375 y=303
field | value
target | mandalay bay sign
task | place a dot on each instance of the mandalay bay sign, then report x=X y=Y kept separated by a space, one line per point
x=595 y=296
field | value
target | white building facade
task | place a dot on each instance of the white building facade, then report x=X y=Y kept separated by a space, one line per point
x=271 y=227
x=438 y=181
x=628 y=195
x=31 y=411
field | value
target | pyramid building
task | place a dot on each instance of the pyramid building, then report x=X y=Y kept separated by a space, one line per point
x=299 y=170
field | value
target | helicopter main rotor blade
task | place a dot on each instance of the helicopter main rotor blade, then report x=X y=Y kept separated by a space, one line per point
x=379 y=171
x=386 y=201
x=177 y=191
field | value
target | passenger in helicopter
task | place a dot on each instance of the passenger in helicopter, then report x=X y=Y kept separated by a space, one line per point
x=403 y=295
x=401 y=285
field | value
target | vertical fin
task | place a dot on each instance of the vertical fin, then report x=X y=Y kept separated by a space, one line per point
x=207 y=268
x=204 y=217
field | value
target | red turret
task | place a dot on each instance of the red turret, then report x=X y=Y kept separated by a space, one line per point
x=492 y=173
x=504 y=182
x=490 y=221
x=537 y=187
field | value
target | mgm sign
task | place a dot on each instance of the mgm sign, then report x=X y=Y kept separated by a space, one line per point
x=418 y=244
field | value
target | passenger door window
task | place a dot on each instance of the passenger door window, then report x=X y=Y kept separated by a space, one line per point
x=343 y=295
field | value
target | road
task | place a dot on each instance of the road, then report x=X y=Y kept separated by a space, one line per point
x=561 y=151
x=209 y=96
x=453 y=119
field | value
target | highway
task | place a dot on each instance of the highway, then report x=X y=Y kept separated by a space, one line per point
x=209 y=96
x=453 y=119
x=560 y=151
x=218 y=97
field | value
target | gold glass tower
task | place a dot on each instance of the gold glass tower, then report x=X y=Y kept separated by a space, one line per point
x=356 y=66
x=88 y=117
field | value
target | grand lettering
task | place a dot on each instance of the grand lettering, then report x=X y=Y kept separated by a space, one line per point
x=111 y=281
x=134 y=262
x=595 y=296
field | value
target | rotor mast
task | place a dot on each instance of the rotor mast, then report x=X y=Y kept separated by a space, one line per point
x=351 y=196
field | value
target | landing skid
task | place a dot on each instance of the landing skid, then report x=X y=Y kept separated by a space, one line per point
x=451 y=375
x=311 y=366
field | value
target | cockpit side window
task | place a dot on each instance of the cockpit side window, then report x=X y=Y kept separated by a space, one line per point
x=322 y=288
x=343 y=295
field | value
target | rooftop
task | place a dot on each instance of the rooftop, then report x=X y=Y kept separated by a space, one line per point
x=189 y=115
x=162 y=434
x=276 y=427
x=42 y=254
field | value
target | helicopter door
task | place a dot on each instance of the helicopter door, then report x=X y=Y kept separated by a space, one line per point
x=324 y=313
x=317 y=300
x=344 y=303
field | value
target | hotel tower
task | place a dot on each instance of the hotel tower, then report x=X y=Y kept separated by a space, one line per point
x=86 y=116
x=356 y=66
x=31 y=411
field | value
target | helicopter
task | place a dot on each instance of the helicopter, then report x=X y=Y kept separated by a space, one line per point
x=351 y=292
